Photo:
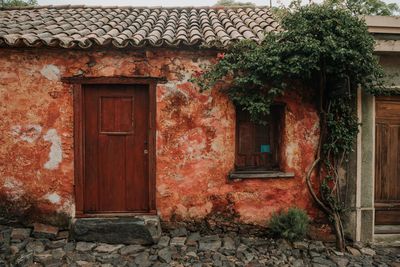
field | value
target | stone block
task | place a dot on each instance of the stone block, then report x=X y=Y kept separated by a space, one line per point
x=317 y=246
x=44 y=231
x=44 y=258
x=20 y=233
x=5 y=239
x=131 y=249
x=63 y=235
x=24 y=259
x=210 y=243
x=229 y=243
x=181 y=231
x=35 y=246
x=368 y=251
x=163 y=241
x=178 y=241
x=142 y=230
x=56 y=244
x=84 y=246
x=107 y=248
x=165 y=255
x=300 y=245
x=353 y=251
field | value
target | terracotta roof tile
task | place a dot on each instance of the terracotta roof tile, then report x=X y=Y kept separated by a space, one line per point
x=81 y=26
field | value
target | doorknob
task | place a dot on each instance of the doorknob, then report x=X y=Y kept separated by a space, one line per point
x=146 y=151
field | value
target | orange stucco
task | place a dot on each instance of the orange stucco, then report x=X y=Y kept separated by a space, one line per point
x=195 y=136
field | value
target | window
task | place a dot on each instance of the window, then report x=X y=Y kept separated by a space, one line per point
x=257 y=145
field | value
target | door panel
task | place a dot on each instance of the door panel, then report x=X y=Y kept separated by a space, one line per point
x=116 y=132
x=387 y=165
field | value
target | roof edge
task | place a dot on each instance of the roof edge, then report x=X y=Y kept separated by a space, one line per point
x=128 y=7
x=383 y=24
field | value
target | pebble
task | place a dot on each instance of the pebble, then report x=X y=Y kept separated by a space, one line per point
x=20 y=233
x=367 y=251
x=317 y=246
x=24 y=259
x=43 y=258
x=165 y=255
x=340 y=260
x=131 y=249
x=300 y=245
x=228 y=242
x=179 y=232
x=58 y=253
x=353 y=251
x=35 y=246
x=107 y=248
x=44 y=231
x=84 y=246
x=194 y=236
x=143 y=259
x=210 y=243
x=178 y=241
x=298 y=263
x=56 y=244
x=164 y=241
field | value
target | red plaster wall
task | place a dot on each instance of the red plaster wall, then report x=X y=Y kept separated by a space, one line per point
x=195 y=136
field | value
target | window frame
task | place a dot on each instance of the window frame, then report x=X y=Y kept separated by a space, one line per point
x=276 y=147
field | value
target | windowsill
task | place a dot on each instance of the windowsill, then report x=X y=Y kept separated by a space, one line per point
x=248 y=174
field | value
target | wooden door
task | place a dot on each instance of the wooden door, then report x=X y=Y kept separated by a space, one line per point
x=387 y=161
x=116 y=156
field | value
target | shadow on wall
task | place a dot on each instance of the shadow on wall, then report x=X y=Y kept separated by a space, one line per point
x=26 y=210
x=222 y=218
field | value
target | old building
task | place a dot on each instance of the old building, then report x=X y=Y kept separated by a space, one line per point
x=99 y=118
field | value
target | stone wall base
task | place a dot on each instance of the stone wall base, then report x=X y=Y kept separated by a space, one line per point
x=144 y=230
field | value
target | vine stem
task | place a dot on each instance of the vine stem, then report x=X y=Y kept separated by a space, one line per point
x=328 y=208
x=311 y=189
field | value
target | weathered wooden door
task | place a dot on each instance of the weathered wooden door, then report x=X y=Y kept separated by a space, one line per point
x=116 y=136
x=387 y=161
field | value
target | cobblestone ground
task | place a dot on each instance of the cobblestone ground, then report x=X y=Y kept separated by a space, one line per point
x=179 y=247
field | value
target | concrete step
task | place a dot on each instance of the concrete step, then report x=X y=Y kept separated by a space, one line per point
x=387 y=239
x=143 y=230
x=387 y=229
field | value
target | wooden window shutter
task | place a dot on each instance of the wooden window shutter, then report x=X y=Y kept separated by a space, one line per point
x=257 y=145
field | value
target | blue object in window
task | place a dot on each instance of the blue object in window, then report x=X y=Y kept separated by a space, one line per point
x=265 y=149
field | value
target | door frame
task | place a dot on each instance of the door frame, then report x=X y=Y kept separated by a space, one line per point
x=379 y=99
x=79 y=167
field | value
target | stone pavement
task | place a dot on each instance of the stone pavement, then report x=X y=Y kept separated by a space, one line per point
x=46 y=246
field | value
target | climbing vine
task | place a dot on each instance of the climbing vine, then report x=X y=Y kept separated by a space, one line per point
x=330 y=52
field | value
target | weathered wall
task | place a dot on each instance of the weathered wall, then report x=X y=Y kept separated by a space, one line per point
x=195 y=136
x=390 y=63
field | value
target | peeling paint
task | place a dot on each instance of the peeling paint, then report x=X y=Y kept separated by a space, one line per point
x=55 y=154
x=11 y=183
x=53 y=198
x=14 y=188
x=51 y=72
x=28 y=133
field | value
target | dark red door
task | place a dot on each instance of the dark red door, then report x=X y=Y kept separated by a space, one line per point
x=116 y=132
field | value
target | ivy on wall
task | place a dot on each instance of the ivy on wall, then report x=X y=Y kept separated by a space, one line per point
x=328 y=50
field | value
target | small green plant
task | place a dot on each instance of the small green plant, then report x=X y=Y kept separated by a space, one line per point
x=291 y=225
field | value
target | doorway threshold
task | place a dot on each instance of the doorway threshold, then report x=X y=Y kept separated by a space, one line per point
x=140 y=229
